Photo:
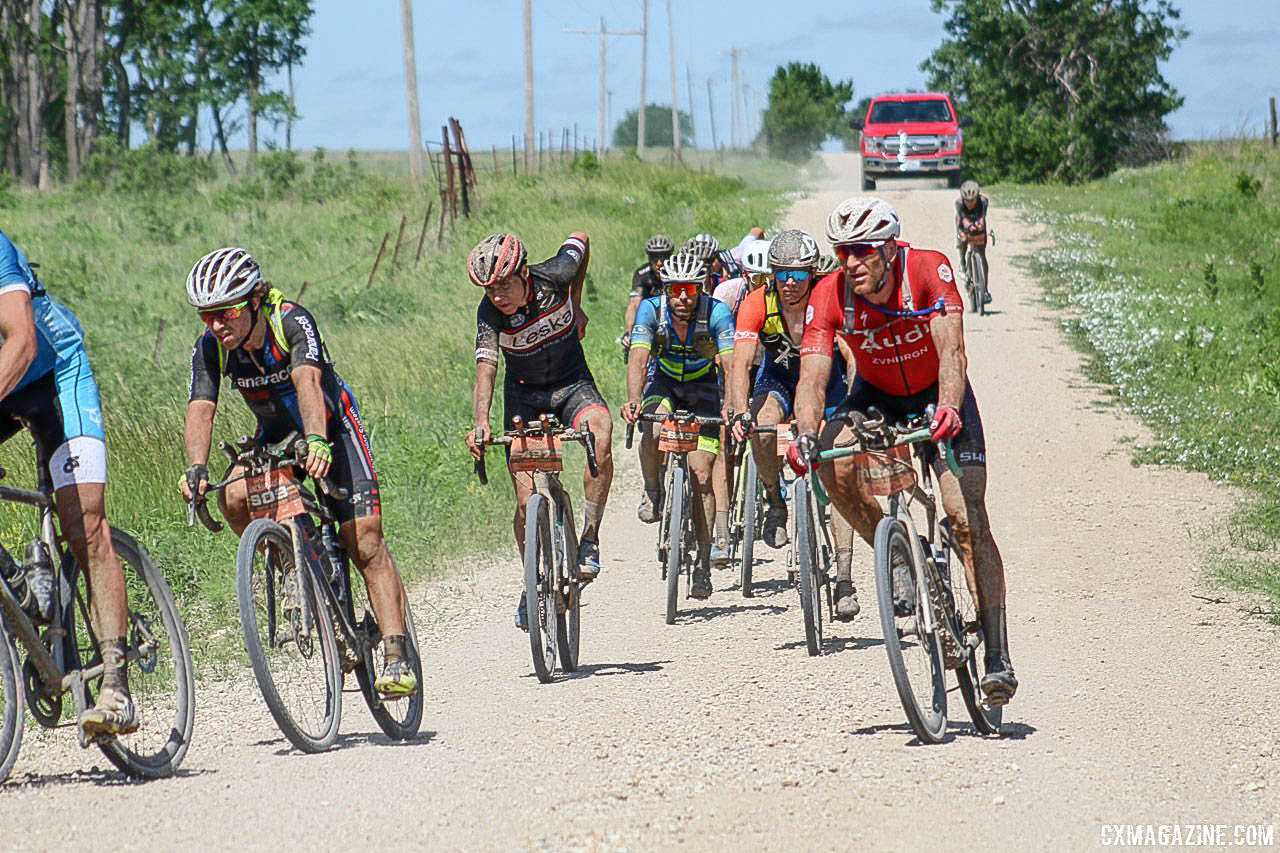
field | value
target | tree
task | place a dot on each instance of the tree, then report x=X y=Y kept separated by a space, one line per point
x=1064 y=90
x=657 y=128
x=804 y=109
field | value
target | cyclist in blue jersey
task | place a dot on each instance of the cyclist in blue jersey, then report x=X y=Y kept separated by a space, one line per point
x=686 y=332
x=47 y=385
x=271 y=351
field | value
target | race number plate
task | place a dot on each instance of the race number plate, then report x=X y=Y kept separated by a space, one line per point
x=678 y=437
x=274 y=494
x=884 y=472
x=536 y=453
x=785 y=437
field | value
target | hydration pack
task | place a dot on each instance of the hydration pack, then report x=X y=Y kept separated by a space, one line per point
x=704 y=343
x=850 y=302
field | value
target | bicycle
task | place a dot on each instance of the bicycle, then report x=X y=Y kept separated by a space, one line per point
x=677 y=539
x=552 y=589
x=811 y=555
x=297 y=603
x=746 y=522
x=975 y=272
x=927 y=610
x=62 y=649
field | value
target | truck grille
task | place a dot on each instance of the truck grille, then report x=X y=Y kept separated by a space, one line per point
x=915 y=145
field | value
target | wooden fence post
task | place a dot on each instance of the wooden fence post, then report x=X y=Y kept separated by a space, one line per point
x=448 y=170
x=514 y=173
x=426 y=222
x=496 y=173
x=1274 y=134
x=155 y=356
x=378 y=259
x=302 y=291
x=395 y=254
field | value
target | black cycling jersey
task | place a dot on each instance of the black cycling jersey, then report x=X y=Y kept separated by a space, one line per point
x=540 y=341
x=644 y=283
x=263 y=376
x=975 y=220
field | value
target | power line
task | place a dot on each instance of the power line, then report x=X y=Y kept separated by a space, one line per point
x=602 y=32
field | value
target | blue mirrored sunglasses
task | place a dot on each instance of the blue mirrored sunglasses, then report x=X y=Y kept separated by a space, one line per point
x=791 y=275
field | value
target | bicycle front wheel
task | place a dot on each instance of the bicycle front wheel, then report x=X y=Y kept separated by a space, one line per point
x=749 y=511
x=288 y=633
x=11 y=702
x=807 y=566
x=568 y=590
x=539 y=586
x=675 y=543
x=915 y=657
x=980 y=284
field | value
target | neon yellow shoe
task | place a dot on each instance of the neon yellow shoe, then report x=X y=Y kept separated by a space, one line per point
x=397 y=680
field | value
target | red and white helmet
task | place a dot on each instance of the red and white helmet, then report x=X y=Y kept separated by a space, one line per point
x=863 y=219
x=222 y=276
x=494 y=258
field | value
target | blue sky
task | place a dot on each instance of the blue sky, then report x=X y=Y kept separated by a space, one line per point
x=350 y=91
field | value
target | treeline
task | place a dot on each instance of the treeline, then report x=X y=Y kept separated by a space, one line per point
x=81 y=75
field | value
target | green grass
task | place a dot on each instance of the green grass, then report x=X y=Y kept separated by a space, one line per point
x=119 y=258
x=1171 y=277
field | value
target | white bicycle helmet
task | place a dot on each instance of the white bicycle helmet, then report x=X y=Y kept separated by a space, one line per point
x=683 y=266
x=222 y=276
x=755 y=256
x=793 y=248
x=704 y=245
x=862 y=219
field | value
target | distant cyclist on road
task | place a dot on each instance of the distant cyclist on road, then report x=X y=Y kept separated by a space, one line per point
x=271 y=351
x=645 y=282
x=686 y=332
x=971 y=226
x=772 y=323
x=532 y=314
x=903 y=365
x=47 y=385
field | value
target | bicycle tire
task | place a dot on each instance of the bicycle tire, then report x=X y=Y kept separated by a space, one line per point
x=675 y=541
x=12 y=693
x=399 y=718
x=539 y=569
x=749 y=513
x=986 y=718
x=569 y=608
x=923 y=693
x=310 y=714
x=980 y=287
x=970 y=284
x=163 y=695
x=807 y=568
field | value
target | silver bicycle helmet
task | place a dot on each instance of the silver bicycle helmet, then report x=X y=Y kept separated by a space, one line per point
x=684 y=266
x=659 y=245
x=494 y=258
x=862 y=219
x=969 y=190
x=222 y=276
x=793 y=248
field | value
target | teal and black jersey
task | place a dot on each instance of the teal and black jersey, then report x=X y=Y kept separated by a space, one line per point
x=710 y=333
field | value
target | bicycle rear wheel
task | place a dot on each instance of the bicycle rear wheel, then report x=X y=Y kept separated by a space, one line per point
x=915 y=658
x=159 y=668
x=749 y=512
x=288 y=633
x=675 y=543
x=807 y=567
x=986 y=718
x=12 y=716
x=399 y=718
x=539 y=586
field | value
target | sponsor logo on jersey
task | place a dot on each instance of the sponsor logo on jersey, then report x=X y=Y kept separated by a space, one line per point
x=313 y=340
x=808 y=315
x=244 y=382
x=944 y=272
x=555 y=323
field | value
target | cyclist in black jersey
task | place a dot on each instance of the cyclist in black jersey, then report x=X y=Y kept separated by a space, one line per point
x=532 y=314
x=271 y=351
x=645 y=283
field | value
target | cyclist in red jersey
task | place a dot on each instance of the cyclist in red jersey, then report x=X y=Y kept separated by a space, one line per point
x=903 y=364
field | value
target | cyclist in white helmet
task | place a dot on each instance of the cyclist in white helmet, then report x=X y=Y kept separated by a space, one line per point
x=971 y=226
x=904 y=364
x=271 y=351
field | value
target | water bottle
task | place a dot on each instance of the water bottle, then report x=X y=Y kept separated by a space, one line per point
x=14 y=576
x=40 y=580
x=336 y=561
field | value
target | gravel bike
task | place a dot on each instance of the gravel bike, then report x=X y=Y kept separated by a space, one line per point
x=677 y=539
x=298 y=607
x=62 y=655
x=552 y=588
x=927 y=609
x=975 y=271
x=746 y=523
x=812 y=553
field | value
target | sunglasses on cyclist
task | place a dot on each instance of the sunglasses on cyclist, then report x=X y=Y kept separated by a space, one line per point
x=225 y=314
x=683 y=288
x=858 y=250
x=784 y=276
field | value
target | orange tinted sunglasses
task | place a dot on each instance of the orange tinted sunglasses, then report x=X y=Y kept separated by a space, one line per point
x=223 y=315
x=683 y=288
x=858 y=250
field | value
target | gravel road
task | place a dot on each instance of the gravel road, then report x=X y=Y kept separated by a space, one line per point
x=1139 y=702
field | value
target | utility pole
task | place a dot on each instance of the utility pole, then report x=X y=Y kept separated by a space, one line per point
x=528 y=85
x=644 y=73
x=410 y=89
x=603 y=33
x=693 y=121
x=711 y=108
x=675 y=104
x=734 y=115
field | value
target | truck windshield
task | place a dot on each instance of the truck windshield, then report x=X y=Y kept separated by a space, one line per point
x=899 y=112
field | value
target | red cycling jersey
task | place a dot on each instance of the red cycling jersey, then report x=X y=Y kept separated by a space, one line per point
x=893 y=354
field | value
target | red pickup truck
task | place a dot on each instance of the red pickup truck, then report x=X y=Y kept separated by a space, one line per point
x=914 y=134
